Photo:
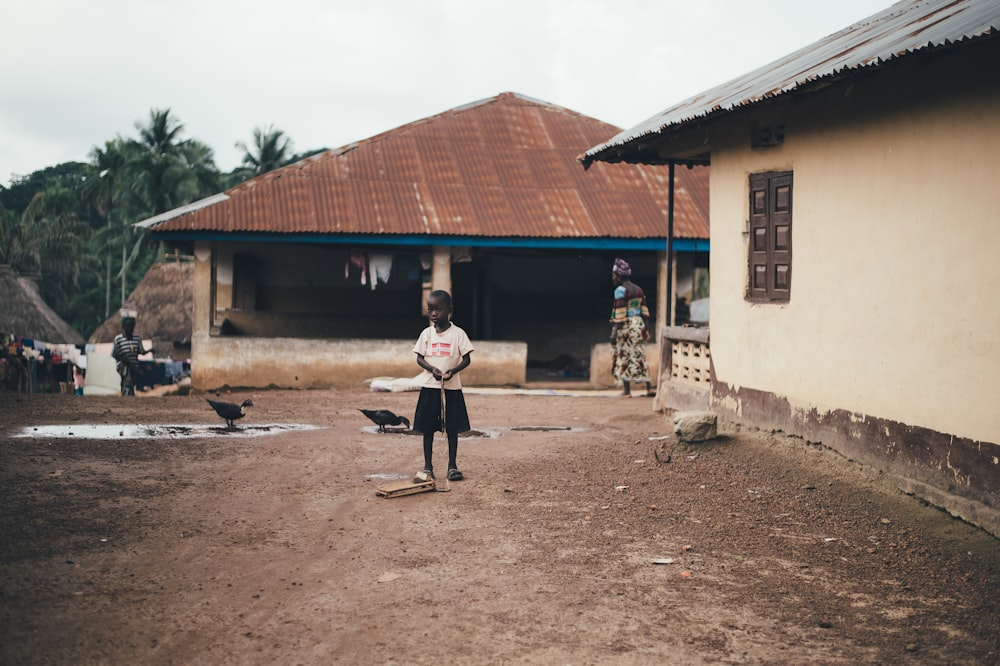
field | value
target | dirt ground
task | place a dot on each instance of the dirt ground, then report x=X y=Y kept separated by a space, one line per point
x=228 y=549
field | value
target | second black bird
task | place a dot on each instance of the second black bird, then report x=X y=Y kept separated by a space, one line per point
x=383 y=418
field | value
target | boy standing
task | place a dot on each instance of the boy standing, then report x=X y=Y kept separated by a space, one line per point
x=442 y=351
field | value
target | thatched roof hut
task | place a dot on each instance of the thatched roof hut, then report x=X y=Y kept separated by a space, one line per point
x=163 y=300
x=24 y=313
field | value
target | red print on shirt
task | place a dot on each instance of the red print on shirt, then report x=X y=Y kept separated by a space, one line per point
x=440 y=349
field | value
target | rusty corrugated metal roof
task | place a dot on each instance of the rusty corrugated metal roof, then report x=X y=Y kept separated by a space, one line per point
x=502 y=167
x=904 y=28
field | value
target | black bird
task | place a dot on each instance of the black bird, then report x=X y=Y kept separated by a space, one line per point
x=383 y=418
x=229 y=411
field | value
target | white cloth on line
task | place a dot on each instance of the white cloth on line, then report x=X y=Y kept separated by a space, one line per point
x=379 y=268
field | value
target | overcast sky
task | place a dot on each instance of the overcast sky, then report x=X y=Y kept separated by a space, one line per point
x=329 y=72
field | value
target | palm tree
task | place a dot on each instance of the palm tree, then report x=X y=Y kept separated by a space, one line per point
x=171 y=171
x=205 y=177
x=271 y=149
x=109 y=167
x=107 y=189
x=159 y=161
x=62 y=238
x=142 y=177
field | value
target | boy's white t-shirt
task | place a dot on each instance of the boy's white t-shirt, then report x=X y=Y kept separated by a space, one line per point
x=444 y=351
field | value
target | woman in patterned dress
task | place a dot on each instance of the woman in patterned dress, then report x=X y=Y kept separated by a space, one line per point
x=630 y=330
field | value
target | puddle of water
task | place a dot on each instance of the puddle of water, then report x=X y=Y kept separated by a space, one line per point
x=479 y=434
x=160 y=431
x=388 y=431
x=547 y=428
x=382 y=476
x=187 y=431
x=485 y=433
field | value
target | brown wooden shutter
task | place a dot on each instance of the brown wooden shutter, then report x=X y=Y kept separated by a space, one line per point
x=781 y=235
x=759 y=236
x=770 y=252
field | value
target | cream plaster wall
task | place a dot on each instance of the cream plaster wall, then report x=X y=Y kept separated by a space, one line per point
x=895 y=296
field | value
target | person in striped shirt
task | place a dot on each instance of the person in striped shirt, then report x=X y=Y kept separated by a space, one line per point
x=127 y=349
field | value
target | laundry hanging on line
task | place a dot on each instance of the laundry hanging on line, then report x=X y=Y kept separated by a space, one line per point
x=380 y=268
x=360 y=260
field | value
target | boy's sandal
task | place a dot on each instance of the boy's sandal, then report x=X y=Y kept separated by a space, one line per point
x=455 y=475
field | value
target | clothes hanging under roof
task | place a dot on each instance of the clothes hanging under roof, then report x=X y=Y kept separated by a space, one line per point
x=358 y=259
x=380 y=267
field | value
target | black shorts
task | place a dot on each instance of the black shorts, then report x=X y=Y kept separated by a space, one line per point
x=427 y=418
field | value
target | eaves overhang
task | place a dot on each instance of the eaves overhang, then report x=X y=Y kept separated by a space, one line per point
x=904 y=29
x=182 y=210
x=421 y=240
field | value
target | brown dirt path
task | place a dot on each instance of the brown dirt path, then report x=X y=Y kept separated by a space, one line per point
x=275 y=549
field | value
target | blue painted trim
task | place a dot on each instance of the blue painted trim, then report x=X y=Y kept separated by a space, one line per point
x=691 y=245
x=680 y=244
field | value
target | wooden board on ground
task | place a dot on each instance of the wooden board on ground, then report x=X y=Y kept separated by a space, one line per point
x=404 y=488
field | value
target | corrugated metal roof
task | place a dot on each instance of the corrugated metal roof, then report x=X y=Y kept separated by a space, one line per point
x=904 y=28
x=501 y=167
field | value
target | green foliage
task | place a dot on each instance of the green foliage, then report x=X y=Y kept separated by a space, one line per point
x=71 y=223
x=169 y=171
x=47 y=239
x=65 y=178
x=271 y=150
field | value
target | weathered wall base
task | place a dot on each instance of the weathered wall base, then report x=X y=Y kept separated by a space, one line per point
x=957 y=474
x=310 y=363
x=678 y=397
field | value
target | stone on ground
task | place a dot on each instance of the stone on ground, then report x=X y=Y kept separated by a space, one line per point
x=696 y=426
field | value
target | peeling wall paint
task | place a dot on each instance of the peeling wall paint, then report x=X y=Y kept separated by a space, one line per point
x=958 y=474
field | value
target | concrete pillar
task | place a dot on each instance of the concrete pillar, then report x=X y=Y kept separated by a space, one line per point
x=441 y=269
x=201 y=314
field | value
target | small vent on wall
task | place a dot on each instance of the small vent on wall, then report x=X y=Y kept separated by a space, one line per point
x=765 y=136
